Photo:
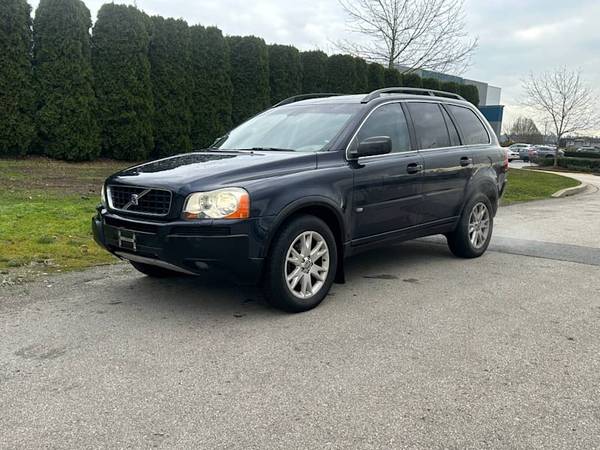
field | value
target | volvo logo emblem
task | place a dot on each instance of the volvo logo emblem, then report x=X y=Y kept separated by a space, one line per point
x=134 y=200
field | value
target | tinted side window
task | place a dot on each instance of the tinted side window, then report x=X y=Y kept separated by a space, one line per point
x=472 y=129
x=387 y=120
x=429 y=125
x=454 y=139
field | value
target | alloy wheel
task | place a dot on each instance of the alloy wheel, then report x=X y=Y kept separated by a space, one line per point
x=479 y=225
x=307 y=264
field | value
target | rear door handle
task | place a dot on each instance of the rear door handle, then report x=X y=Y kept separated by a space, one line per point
x=414 y=168
x=465 y=161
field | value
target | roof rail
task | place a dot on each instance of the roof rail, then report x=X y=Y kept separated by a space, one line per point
x=408 y=90
x=298 y=98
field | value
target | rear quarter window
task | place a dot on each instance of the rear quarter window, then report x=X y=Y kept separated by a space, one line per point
x=472 y=128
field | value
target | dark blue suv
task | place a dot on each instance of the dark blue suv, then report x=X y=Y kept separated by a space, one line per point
x=282 y=199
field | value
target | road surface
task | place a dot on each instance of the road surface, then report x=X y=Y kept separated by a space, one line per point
x=417 y=349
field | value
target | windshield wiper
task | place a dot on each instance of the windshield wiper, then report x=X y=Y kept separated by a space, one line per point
x=265 y=149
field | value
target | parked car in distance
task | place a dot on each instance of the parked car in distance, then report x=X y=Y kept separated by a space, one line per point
x=282 y=199
x=544 y=151
x=513 y=154
x=520 y=149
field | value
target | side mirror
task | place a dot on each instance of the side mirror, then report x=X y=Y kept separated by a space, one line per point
x=377 y=145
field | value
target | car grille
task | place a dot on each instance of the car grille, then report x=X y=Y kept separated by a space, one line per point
x=140 y=200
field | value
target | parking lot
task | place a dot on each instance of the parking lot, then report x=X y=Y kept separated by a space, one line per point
x=417 y=349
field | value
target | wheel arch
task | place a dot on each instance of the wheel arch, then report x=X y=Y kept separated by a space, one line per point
x=485 y=186
x=321 y=207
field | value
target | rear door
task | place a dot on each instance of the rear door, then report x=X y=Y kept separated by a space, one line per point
x=387 y=188
x=448 y=164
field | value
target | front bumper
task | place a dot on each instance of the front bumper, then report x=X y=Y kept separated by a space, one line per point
x=231 y=247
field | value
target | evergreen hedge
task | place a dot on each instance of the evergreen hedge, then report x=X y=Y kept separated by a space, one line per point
x=412 y=80
x=314 y=71
x=211 y=90
x=249 y=76
x=152 y=86
x=285 y=72
x=169 y=55
x=376 y=76
x=431 y=83
x=392 y=77
x=362 y=76
x=122 y=78
x=16 y=87
x=341 y=74
x=450 y=86
x=470 y=93
x=66 y=109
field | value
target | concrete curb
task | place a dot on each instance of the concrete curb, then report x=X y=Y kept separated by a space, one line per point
x=570 y=191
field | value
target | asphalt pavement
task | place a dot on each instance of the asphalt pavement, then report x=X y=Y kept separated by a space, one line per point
x=418 y=349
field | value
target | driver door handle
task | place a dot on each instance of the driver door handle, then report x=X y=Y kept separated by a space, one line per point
x=414 y=168
x=465 y=161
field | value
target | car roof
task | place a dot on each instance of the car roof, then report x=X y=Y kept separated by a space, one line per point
x=358 y=99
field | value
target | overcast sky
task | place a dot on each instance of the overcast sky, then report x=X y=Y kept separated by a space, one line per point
x=515 y=36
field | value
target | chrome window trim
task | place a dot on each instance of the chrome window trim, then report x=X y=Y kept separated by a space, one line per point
x=110 y=203
x=438 y=102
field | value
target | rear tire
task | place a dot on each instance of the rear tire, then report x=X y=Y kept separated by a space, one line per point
x=302 y=264
x=473 y=233
x=153 y=271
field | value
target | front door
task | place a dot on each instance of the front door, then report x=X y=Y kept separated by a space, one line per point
x=387 y=188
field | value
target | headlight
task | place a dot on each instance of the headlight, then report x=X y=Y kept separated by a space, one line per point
x=227 y=203
x=103 y=196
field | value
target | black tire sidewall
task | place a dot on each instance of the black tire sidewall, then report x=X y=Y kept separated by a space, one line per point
x=276 y=288
x=459 y=241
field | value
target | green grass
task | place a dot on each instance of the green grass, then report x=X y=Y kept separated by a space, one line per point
x=45 y=212
x=527 y=185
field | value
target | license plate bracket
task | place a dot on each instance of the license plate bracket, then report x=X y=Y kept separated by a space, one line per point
x=127 y=240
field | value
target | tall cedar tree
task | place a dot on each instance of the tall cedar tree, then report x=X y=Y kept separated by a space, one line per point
x=341 y=74
x=431 y=83
x=285 y=72
x=66 y=109
x=211 y=89
x=450 y=86
x=16 y=95
x=392 y=77
x=314 y=71
x=171 y=86
x=249 y=76
x=469 y=93
x=412 y=80
x=376 y=76
x=122 y=78
x=362 y=75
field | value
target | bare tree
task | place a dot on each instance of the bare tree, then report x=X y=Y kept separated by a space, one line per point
x=524 y=129
x=564 y=100
x=418 y=34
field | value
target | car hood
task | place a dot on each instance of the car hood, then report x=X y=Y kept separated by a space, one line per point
x=213 y=169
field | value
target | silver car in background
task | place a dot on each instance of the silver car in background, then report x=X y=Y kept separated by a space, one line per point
x=518 y=151
x=544 y=151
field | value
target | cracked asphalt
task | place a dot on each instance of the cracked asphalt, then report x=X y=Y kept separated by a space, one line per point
x=418 y=349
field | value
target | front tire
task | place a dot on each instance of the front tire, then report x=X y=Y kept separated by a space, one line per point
x=301 y=266
x=472 y=236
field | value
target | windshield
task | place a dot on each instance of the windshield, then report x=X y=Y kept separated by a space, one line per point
x=307 y=128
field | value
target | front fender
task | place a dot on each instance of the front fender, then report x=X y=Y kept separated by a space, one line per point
x=309 y=203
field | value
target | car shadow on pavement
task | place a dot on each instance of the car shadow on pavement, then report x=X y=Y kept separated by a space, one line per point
x=217 y=296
